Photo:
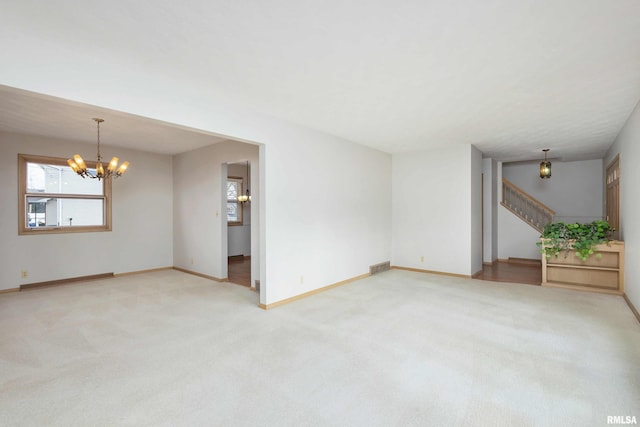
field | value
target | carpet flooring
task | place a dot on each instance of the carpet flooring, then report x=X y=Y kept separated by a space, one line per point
x=398 y=348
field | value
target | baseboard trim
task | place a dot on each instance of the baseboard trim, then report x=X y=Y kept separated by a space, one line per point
x=6 y=291
x=439 y=273
x=633 y=309
x=151 y=270
x=582 y=288
x=65 y=281
x=313 y=292
x=529 y=261
x=476 y=274
x=206 y=276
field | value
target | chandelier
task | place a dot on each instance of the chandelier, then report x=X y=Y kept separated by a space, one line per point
x=244 y=198
x=79 y=167
x=545 y=166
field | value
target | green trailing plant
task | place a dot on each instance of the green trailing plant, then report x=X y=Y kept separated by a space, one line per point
x=559 y=237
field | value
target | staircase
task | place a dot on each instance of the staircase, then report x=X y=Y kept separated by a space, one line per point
x=525 y=207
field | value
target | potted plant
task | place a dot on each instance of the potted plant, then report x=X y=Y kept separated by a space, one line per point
x=559 y=237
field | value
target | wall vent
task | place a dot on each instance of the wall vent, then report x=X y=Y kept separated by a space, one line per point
x=379 y=268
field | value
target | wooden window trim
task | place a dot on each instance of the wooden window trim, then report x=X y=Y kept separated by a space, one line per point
x=23 y=229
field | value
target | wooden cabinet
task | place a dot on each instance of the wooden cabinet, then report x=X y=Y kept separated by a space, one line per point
x=597 y=274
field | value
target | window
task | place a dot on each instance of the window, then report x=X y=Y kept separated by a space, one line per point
x=234 y=208
x=54 y=199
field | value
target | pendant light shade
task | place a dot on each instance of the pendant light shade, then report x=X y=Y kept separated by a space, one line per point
x=545 y=166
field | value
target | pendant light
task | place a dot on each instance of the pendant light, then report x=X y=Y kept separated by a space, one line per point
x=545 y=166
x=244 y=198
x=78 y=165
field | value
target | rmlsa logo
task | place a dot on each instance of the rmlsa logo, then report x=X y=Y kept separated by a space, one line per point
x=621 y=419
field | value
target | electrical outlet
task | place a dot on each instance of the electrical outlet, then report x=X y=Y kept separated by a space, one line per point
x=422 y=258
x=301 y=280
x=191 y=260
x=25 y=274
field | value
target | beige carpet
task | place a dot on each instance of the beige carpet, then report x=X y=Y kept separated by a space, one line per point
x=399 y=348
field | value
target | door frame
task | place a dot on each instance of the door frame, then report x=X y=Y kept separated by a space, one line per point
x=612 y=195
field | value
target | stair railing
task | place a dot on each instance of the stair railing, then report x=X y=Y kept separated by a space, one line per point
x=527 y=208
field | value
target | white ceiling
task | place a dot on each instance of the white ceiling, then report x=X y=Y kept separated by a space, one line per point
x=36 y=114
x=511 y=77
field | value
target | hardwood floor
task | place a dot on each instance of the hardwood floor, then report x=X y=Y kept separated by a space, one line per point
x=528 y=272
x=239 y=270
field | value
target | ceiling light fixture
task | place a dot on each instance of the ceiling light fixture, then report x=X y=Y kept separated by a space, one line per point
x=545 y=166
x=79 y=167
x=244 y=198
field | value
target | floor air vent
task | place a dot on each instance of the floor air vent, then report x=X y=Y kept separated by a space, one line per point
x=379 y=268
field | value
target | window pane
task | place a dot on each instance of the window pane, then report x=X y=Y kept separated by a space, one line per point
x=57 y=200
x=232 y=190
x=232 y=212
x=44 y=178
x=62 y=212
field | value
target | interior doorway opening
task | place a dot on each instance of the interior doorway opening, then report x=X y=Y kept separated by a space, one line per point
x=238 y=211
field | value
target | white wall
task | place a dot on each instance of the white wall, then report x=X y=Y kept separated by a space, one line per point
x=516 y=238
x=141 y=238
x=495 y=200
x=200 y=227
x=628 y=147
x=239 y=240
x=487 y=242
x=574 y=191
x=476 y=210
x=327 y=210
x=490 y=210
x=433 y=213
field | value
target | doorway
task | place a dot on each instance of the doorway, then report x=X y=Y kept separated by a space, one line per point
x=238 y=210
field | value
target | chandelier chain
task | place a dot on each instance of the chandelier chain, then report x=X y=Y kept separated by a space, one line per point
x=98 y=121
